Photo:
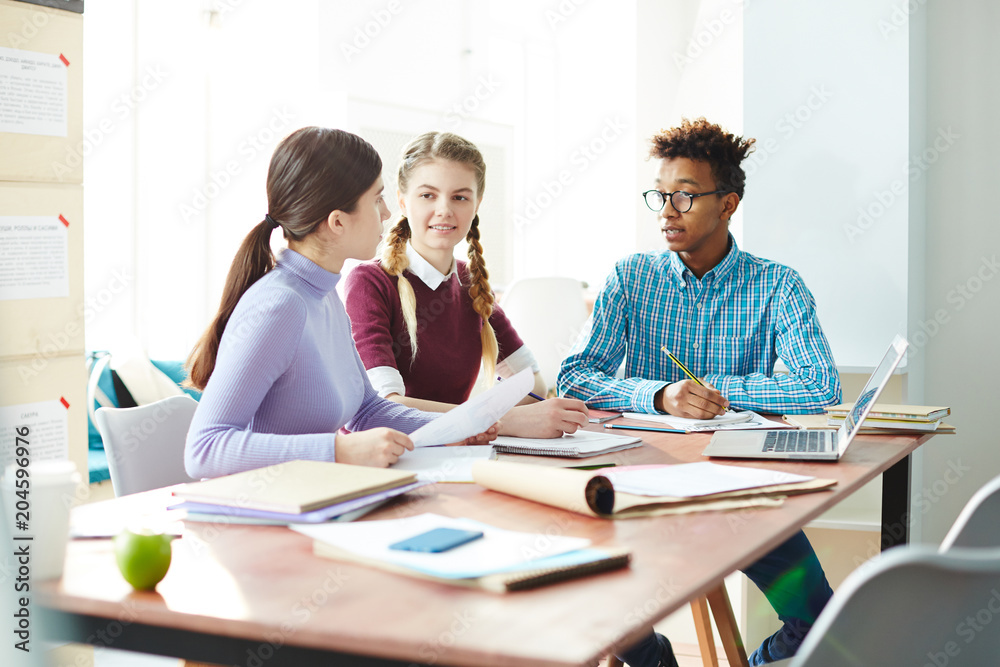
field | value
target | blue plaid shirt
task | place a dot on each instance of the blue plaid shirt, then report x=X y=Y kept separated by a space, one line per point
x=729 y=328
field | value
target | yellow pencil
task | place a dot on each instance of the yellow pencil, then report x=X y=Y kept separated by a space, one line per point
x=686 y=370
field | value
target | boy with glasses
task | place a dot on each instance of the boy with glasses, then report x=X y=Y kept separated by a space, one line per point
x=728 y=315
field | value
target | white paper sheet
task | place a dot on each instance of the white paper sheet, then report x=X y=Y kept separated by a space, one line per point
x=477 y=414
x=689 y=480
x=444 y=464
x=33 y=93
x=48 y=431
x=497 y=551
x=754 y=422
x=34 y=257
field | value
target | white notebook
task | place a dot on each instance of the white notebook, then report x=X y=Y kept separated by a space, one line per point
x=695 y=424
x=576 y=446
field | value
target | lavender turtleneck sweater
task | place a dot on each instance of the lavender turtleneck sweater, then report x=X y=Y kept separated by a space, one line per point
x=286 y=378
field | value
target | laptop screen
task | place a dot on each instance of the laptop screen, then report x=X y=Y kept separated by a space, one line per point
x=873 y=388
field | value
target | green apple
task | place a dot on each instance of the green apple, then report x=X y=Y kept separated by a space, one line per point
x=143 y=558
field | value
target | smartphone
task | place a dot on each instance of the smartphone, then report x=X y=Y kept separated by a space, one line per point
x=437 y=540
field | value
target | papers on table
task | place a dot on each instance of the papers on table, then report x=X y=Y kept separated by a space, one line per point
x=444 y=464
x=690 y=480
x=499 y=550
x=595 y=494
x=739 y=421
x=475 y=415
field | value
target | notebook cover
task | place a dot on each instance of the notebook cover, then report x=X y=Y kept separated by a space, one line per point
x=591 y=560
x=819 y=422
x=314 y=516
x=923 y=413
x=294 y=487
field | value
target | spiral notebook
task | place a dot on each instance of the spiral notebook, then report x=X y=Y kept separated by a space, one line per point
x=578 y=445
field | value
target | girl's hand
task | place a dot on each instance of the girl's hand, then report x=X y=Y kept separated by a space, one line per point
x=377 y=447
x=484 y=438
x=545 y=419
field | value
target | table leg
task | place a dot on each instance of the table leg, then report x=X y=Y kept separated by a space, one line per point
x=729 y=632
x=896 y=504
x=703 y=627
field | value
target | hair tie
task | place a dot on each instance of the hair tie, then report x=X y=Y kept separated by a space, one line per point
x=271 y=221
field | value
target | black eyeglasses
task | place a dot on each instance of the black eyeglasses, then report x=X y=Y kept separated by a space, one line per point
x=680 y=200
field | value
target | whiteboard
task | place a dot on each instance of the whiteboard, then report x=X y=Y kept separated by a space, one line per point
x=826 y=95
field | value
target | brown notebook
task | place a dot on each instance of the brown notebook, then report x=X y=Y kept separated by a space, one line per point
x=920 y=413
x=820 y=422
x=294 y=487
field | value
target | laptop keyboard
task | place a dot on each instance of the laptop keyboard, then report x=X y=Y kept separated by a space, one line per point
x=795 y=441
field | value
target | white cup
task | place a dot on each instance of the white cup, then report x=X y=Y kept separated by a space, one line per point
x=45 y=511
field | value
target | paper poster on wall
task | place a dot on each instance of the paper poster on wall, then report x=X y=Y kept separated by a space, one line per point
x=33 y=93
x=47 y=432
x=34 y=257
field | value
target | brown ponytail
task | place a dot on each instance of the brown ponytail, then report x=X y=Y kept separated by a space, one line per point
x=252 y=261
x=313 y=172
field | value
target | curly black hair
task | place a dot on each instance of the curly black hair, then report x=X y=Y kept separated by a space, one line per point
x=707 y=142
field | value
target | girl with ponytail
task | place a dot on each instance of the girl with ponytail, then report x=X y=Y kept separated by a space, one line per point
x=424 y=323
x=277 y=365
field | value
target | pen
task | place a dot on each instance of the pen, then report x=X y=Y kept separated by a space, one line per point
x=658 y=429
x=530 y=393
x=686 y=371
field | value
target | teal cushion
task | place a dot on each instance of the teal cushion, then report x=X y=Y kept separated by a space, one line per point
x=97 y=464
x=172 y=369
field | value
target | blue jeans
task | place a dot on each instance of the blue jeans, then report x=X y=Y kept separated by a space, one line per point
x=793 y=581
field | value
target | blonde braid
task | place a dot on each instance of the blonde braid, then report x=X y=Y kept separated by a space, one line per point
x=482 y=300
x=395 y=262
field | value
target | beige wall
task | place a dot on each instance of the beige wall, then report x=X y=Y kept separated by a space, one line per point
x=41 y=349
x=960 y=356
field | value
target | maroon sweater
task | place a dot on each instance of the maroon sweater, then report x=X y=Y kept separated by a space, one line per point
x=449 y=350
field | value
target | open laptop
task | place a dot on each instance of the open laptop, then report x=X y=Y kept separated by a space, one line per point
x=815 y=445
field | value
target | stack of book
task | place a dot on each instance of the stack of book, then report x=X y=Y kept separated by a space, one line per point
x=896 y=418
x=294 y=492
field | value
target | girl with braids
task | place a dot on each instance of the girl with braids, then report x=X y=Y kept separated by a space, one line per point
x=425 y=323
x=278 y=367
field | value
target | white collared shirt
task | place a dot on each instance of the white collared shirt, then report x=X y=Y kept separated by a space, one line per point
x=424 y=270
x=387 y=380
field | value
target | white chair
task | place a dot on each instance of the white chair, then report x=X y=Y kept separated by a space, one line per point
x=979 y=523
x=548 y=314
x=145 y=445
x=911 y=606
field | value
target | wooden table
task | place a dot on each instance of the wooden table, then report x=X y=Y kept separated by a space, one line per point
x=257 y=596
